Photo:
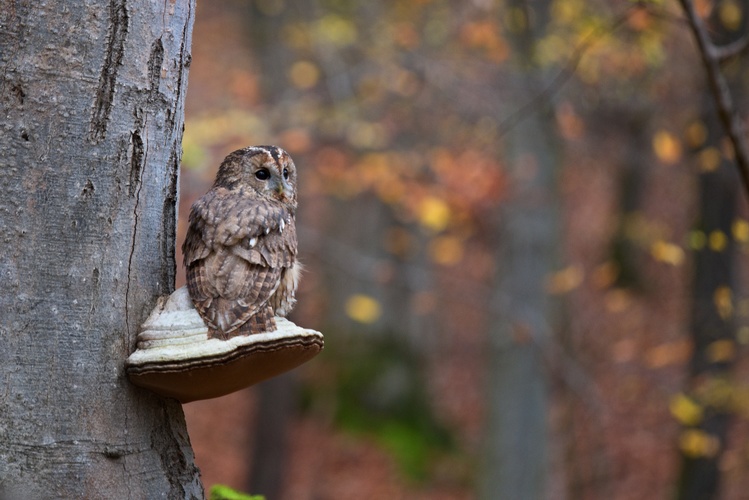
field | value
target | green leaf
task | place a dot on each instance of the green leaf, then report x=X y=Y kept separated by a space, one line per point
x=223 y=492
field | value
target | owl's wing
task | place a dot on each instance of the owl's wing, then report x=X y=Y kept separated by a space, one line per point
x=229 y=299
x=284 y=298
x=235 y=252
x=228 y=218
x=275 y=246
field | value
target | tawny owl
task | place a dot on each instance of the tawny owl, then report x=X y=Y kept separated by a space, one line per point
x=240 y=251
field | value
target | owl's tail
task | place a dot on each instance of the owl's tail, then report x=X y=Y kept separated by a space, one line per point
x=260 y=322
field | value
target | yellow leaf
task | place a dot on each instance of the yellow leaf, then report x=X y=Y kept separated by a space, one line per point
x=668 y=353
x=296 y=36
x=434 y=213
x=304 y=74
x=363 y=308
x=336 y=30
x=667 y=147
x=696 y=443
x=717 y=241
x=697 y=240
x=730 y=14
x=565 y=280
x=721 y=351
x=723 y=300
x=666 y=252
x=716 y=392
x=568 y=11
x=696 y=134
x=685 y=409
x=740 y=229
x=446 y=250
x=366 y=135
x=709 y=159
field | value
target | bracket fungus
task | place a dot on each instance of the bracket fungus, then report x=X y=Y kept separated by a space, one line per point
x=175 y=358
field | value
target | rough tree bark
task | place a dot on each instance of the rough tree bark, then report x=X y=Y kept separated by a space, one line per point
x=91 y=112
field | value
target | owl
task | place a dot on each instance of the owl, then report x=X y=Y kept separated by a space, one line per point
x=241 y=249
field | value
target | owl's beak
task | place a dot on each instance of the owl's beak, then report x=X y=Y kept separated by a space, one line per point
x=281 y=188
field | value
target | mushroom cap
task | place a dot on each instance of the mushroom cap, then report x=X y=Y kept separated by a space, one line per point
x=175 y=358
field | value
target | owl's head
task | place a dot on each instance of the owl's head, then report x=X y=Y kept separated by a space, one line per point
x=267 y=170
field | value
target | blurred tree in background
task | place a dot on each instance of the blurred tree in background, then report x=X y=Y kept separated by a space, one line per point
x=503 y=206
x=711 y=389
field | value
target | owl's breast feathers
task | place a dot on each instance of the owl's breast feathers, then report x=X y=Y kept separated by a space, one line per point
x=236 y=251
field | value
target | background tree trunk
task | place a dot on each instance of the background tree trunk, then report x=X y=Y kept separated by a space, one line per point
x=91 y=109
x=714 y=284
x=277 y=397
x=528 y=236
x=711 y=323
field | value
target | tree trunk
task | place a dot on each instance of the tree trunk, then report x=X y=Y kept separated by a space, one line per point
x=91 y=109
x=527 y=236
x=713 y=322
x=626 y=253
x=714 y=272
x=270 y=449
x=276 y=398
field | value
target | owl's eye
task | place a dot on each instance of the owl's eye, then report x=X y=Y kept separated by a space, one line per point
x=262 y=174
x=286 y=173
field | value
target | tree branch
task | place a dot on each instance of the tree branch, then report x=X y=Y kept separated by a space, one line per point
x=732 y=49
x=711 y=56
x=566 y=72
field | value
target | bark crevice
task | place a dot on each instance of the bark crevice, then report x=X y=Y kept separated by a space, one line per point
x=118 y=26
x=169 y=222
x=138 y=160
x=155 y=62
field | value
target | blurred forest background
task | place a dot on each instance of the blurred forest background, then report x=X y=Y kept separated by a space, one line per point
x=525 y=244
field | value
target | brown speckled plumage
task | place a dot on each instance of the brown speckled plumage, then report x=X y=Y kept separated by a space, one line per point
x=240 y=250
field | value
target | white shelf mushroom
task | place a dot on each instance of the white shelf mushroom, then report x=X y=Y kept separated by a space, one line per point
x=175 y=358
